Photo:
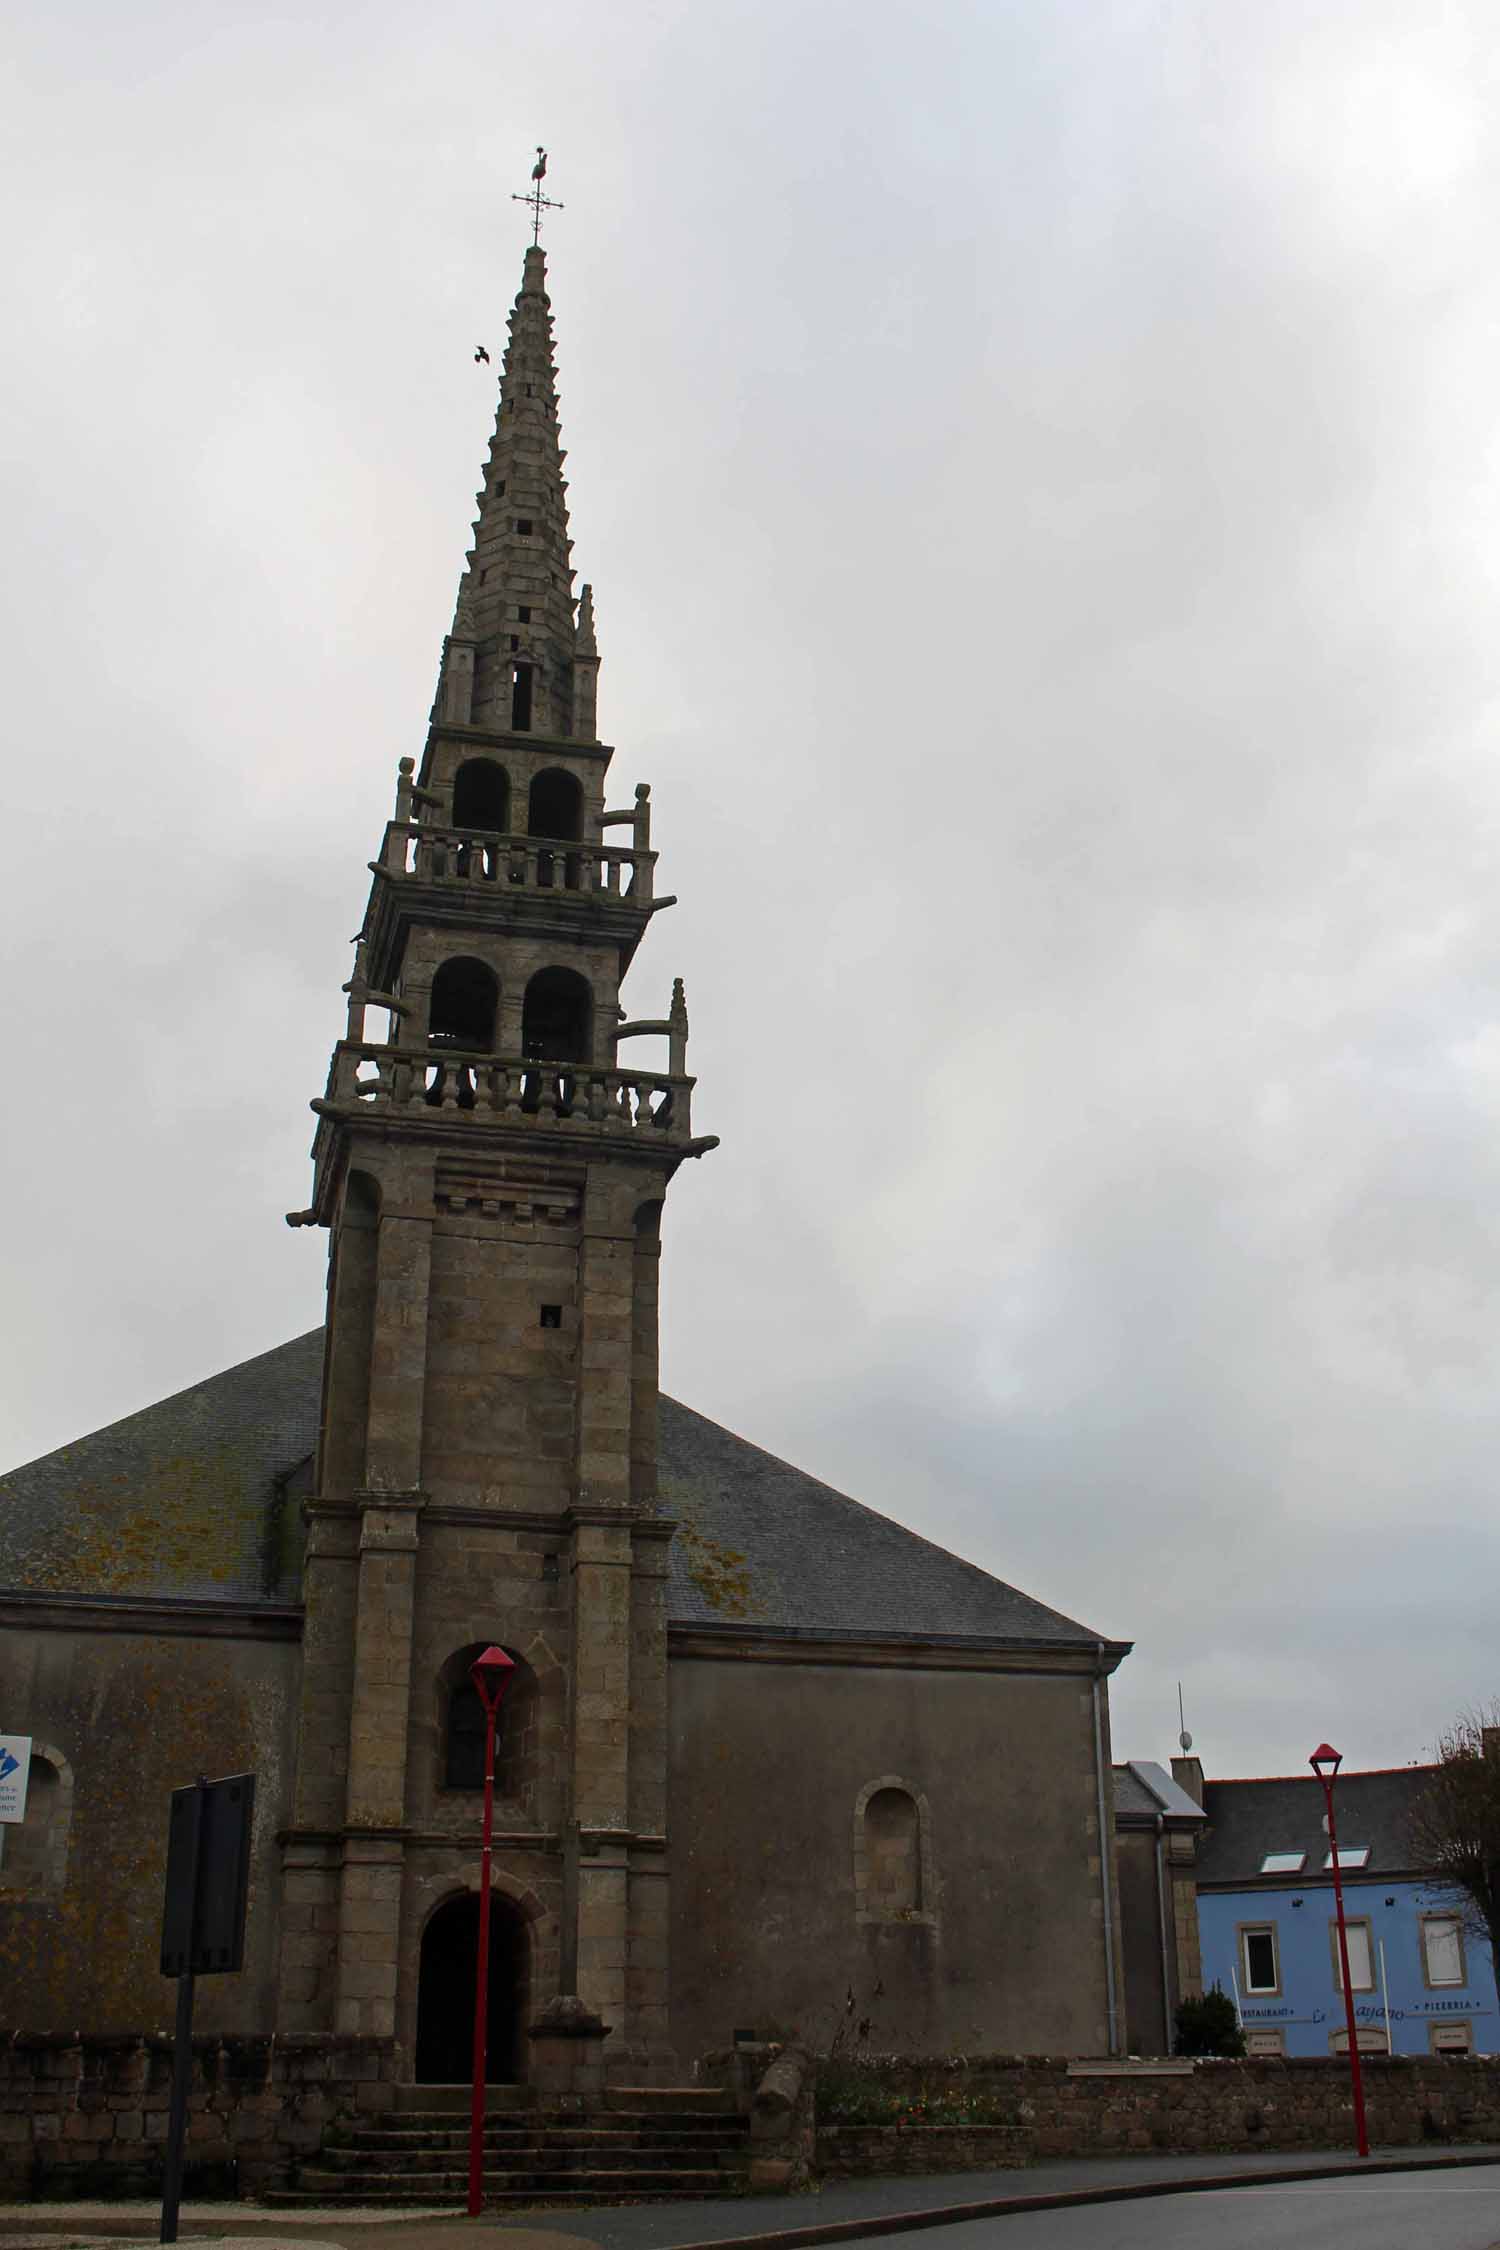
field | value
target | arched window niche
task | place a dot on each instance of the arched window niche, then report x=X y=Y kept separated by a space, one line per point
x=461 y=1728
x=35 y=1859
x=893 y=1871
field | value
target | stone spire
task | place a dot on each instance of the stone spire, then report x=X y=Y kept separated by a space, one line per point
x=513 y=631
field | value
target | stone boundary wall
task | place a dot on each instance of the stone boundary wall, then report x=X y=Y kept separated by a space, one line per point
x=1022 y=2108
x=88 y=2116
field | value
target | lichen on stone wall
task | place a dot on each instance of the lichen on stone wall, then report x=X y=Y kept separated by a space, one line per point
x=193 y=1521
x=139 y=1719
x=721 y=1574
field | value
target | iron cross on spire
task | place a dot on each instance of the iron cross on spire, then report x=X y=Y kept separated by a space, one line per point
x=535 y=198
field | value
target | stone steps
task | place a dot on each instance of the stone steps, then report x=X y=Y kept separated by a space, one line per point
x=317 y=2186
x=692 y=2132
x=557 y=2156
x=429 y=2099
x=608 y=2153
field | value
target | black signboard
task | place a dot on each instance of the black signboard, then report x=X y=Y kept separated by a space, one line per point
x=202 y=1931
x=208 y=1877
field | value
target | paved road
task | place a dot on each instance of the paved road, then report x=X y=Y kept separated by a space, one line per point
x=1396 y=2208
x=1400 y=2212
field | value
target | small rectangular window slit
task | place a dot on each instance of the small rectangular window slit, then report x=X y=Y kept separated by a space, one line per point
x=520 y=702
x=552 y=1316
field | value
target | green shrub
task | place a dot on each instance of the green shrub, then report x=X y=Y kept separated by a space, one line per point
x=853 y=2092
x=1209 y=2026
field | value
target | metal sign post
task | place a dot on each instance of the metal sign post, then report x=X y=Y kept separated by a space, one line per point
x=202 y=1930
x=184 y=1857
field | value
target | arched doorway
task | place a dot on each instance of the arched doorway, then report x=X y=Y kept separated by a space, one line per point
x=445 y=1992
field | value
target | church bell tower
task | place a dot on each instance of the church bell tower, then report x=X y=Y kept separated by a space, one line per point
x=491 y=1163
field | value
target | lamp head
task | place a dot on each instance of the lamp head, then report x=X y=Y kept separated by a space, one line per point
x=492 y=1673
x=1325 y=1761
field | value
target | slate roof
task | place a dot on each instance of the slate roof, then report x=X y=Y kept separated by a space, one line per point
x=1169 y=1793
x=1247 y=1819
x=1144 y=1790
x=185 y=1499
x=196 y=1498
x=762 y=1543
x=1134 y=1803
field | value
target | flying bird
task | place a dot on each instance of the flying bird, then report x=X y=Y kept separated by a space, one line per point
x=539 y=169
x=481 y=354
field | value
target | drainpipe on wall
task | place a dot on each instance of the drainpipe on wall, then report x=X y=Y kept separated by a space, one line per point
x=1161 y=1911
x=1106 y=1861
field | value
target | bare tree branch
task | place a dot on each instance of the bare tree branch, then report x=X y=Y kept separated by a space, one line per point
x=1453 y=1831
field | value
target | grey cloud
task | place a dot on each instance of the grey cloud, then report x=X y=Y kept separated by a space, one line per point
x=1036 y=467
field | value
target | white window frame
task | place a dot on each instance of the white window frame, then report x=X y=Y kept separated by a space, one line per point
x=1245 y=1932
x=1454 y=1922
x=1352 y=1922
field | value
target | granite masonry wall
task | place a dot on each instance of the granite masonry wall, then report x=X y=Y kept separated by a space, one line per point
x=977 y=2112
x=89 y=2116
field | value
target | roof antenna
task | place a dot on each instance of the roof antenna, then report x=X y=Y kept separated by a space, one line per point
x=1184 y=1739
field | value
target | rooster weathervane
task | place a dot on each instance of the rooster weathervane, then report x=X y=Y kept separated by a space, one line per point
x=534 y=199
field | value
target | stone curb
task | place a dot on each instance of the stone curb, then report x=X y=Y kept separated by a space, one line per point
x=1062 y=2199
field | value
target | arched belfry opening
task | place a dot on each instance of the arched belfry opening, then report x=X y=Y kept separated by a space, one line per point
x=481 y=797
x=554 y=810
x=445 y=1992
x=557 y=1017
x=465 y=994
x=555 y=806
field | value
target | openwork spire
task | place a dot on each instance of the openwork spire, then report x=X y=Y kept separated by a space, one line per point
x=514 y=621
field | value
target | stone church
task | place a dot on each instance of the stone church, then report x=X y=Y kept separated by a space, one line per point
x=769 y=1760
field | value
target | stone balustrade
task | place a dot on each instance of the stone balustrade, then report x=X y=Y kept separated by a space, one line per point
x=469 y=858
x=510 y=1088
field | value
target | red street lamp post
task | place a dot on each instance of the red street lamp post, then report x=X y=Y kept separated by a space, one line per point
x=1325 y=1762
x=491 y=1674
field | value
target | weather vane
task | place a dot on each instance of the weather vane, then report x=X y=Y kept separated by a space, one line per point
x=537 y=202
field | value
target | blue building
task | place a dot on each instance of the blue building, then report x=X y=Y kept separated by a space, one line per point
x=1422 y=1980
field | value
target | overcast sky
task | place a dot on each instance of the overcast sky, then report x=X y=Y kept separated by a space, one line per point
x=1038 y=469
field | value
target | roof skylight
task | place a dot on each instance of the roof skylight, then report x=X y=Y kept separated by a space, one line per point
x=1283 y=1863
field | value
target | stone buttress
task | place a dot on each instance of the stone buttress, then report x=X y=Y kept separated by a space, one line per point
x=491 y=1168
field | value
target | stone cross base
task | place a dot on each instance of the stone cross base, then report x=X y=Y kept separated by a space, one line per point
x=567 y=2054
